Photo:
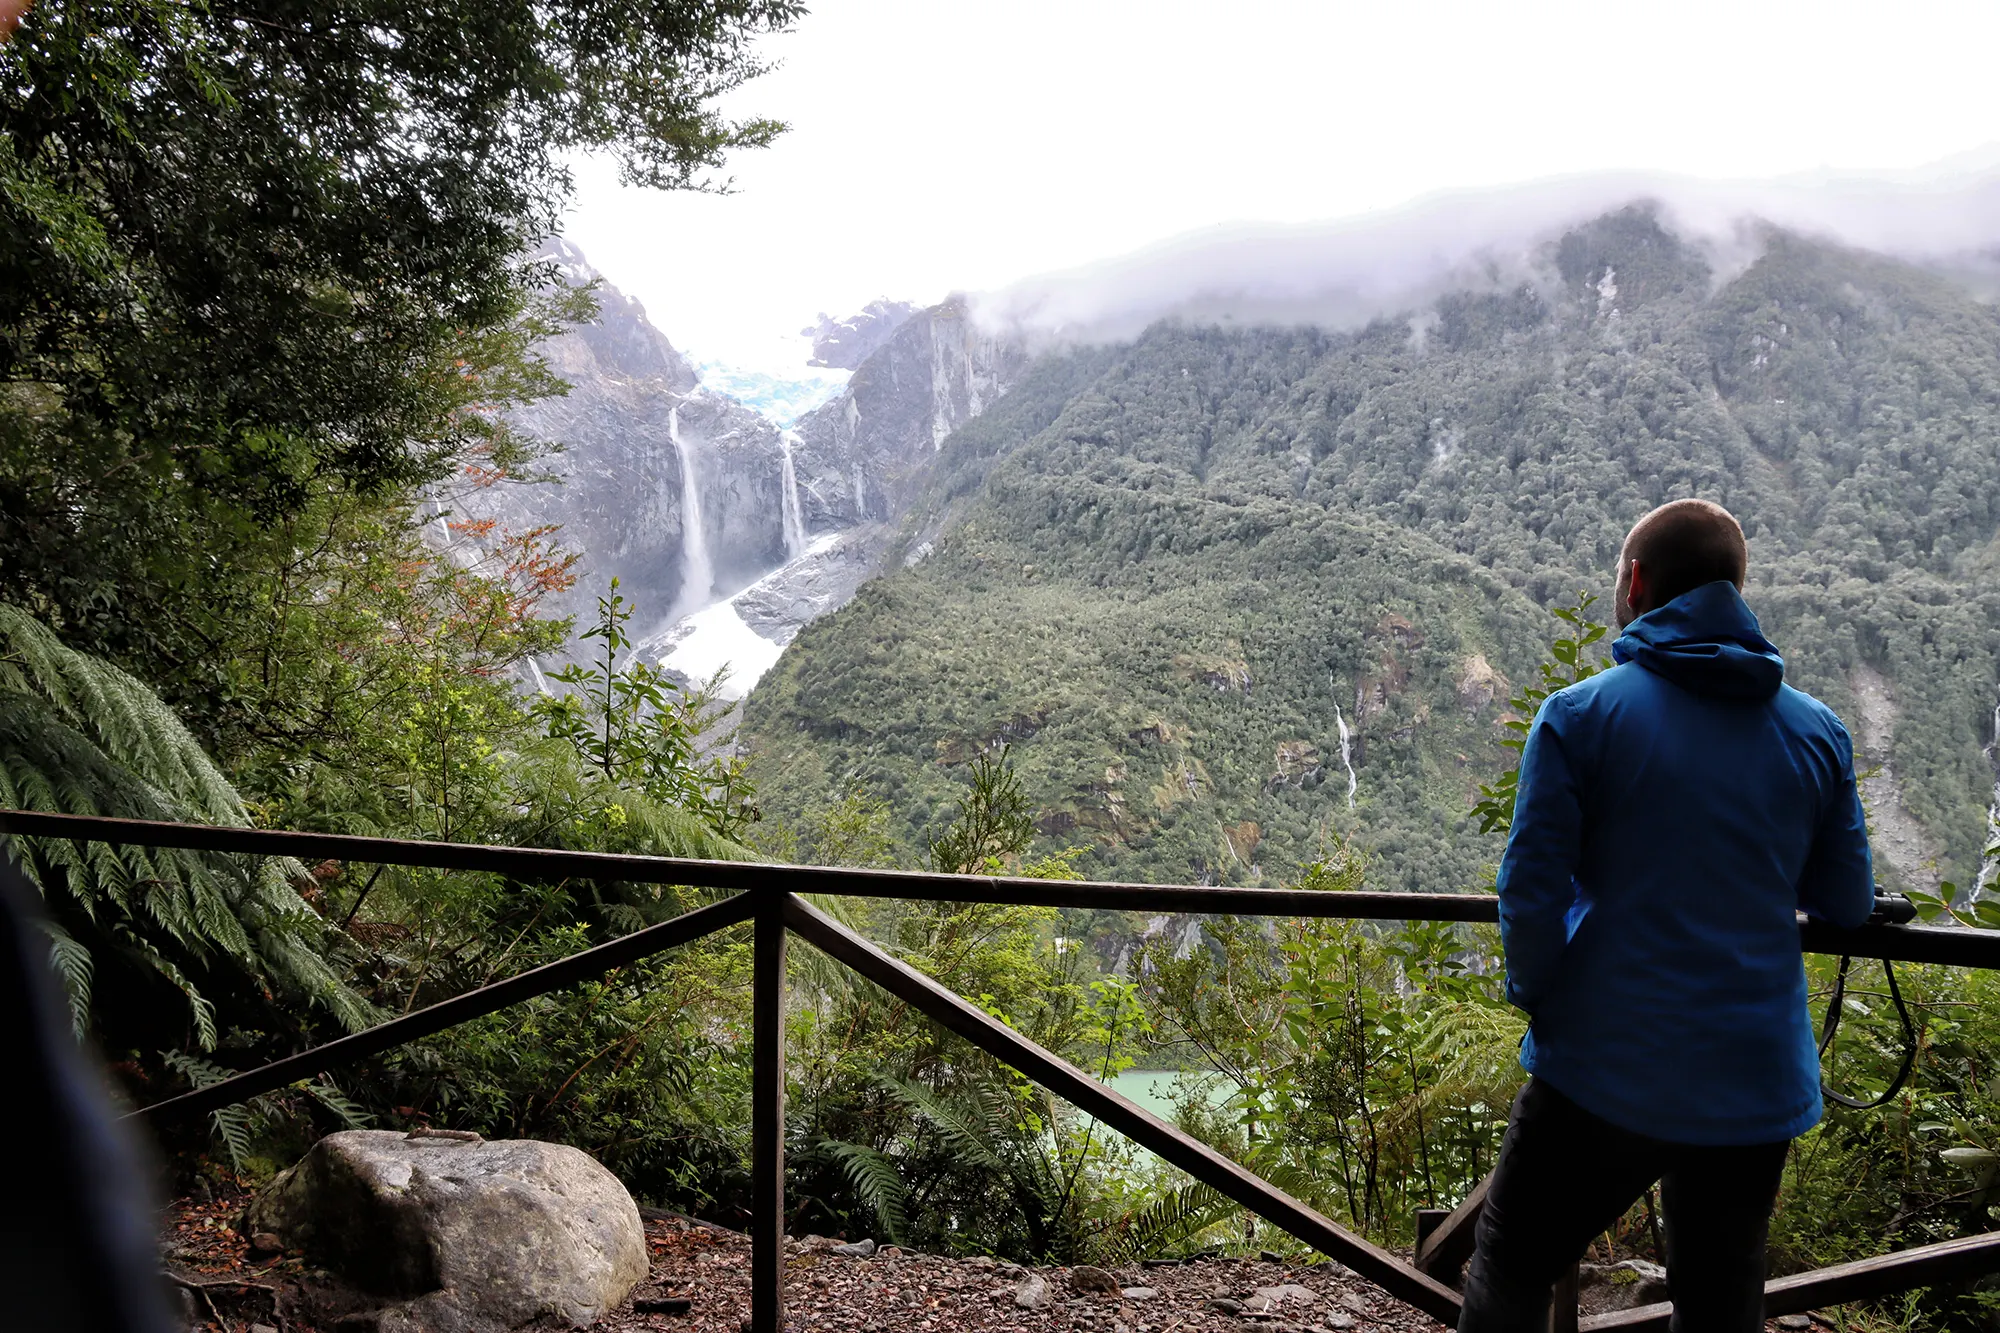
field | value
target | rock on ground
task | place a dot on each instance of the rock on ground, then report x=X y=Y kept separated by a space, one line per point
x=461 y=1236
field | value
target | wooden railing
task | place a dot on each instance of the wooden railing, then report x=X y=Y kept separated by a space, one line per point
x=769 y=897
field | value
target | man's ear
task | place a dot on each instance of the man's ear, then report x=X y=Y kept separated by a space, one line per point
x=1638 y=594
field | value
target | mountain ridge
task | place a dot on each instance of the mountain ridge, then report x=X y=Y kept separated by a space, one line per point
x=1843 y=404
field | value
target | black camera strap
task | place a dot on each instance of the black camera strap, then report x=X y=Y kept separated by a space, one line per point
x=1832 y=1026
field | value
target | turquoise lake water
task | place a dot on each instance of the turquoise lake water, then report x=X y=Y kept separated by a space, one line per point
x=1150 y=1088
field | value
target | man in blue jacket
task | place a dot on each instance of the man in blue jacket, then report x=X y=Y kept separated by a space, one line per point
x=1673 y=815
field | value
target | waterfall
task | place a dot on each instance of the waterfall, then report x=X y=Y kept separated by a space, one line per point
x=860 y=495
x=1346 y=755
x=541 y=681
x=1989 y=871
x=697 y=568
x=795 y=519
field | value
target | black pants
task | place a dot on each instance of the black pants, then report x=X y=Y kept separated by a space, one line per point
x=1566 y=1175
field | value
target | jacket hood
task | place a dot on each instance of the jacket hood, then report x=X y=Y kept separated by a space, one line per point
x=1707 y=642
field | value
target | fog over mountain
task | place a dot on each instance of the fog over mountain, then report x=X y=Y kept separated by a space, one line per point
x=1341 y=274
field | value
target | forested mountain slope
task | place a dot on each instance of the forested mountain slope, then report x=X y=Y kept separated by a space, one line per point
x=1169 y=572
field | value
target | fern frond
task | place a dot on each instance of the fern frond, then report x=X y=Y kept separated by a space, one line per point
x=232 y=1124
x=126 y=721
x=877 y=1180
x=657 y=829
x=1170 y=1220
x=327 y=1095
x=79 y=736
x=1476 y=1047
x=972 y=1138
x=72 y=963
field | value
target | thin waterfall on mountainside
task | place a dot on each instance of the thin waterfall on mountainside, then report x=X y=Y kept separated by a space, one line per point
x=795 y=519
x=1346 y=755
x=697 y=568
x=541 y=681
x=860 y=495
x=1989 y=871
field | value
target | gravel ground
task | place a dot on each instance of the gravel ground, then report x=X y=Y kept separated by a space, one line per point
x=700 y=1283
x=894 y=1292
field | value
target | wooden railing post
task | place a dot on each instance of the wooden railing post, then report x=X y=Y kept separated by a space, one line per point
x=1562 y=1305
x=767 y=1117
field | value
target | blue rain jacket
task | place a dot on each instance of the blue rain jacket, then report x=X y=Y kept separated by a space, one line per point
x=1673 y=814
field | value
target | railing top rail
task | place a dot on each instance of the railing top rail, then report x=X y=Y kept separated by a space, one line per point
x=1924 y=944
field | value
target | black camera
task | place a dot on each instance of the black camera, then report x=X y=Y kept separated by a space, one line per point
x=1892 y=909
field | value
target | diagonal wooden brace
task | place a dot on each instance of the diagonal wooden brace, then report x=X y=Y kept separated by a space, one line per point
x=1445 y=1249
x=1385 y=1270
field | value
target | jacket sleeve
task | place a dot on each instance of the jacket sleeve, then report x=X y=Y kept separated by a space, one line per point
x=1838 y=883
x=1537 y=885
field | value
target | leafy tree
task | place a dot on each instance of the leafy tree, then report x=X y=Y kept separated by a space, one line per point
x=639 y=729
x=993 y=820
x=247 y=261
x=1566 y=665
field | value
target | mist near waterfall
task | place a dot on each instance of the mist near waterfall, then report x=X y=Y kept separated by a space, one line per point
x=1346 y=273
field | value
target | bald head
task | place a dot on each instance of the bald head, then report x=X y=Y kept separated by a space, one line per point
x=1675 y=549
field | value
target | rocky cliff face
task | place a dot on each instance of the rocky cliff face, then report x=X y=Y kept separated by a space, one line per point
x=866 y=453
x=635 y=427
x=694 y=501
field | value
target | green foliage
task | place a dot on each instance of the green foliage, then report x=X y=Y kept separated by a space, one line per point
x=1370 y=1070
x=647 y=1068
x=1917 y=1170
x=638 y=728
x=852 y=831
x=78 y=736
x=1178 y=719
x=1566 y=665
x=898 y=1129
x=238 y=1127
x=877 y=1181
x=992 y=824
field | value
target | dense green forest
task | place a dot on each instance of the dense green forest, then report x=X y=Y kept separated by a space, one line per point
x=261 y=314
x=1168 y=564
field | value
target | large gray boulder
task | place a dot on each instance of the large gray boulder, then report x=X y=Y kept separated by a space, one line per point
x=461 y=1235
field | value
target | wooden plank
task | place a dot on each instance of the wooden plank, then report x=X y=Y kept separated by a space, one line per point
x=1864 y=1279
x=1444 y=1251
x=458 y=1009
x=1387 y=1271
x=1562 y=1303
x=767 y=1119
x=1428 y=1220
x=540 y=864
x=1952 y=945
x=548 y=865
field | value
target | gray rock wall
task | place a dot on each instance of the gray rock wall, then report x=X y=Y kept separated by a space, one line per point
x=859 y=460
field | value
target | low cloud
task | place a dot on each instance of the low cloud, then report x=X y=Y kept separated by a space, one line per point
x=1343 y=274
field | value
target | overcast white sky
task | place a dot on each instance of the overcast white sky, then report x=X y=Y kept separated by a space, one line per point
x=942 y=145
